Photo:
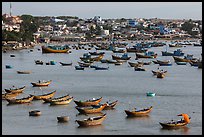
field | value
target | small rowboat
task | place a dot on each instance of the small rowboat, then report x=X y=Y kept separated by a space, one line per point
x=101 y=68
x=181 y=63
x=92 y=121
x=38 y=62
x=133 y=64
x=160 y=74
x=45 y=96
x=65 y=64
x=41 y=83
x=179 y=59
x=63 y=118
x=170 y=125
x=139 y=69
x=176 y=124
x=111 y=105
x=144 y=63
x=9 y=66
x=90 y=110
x=88 y=102
x=61 y=102
x=156 y=71
x=79 y=68
x=150 y=94
x=24 y=72
x=35 y=113
x=120 y=58
x=84 y=64
x=21 y=100
x=48 y=100
x=15 y=90
x=10 y=95
x=142 y=112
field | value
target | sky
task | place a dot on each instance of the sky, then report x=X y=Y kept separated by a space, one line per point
x=108 y=10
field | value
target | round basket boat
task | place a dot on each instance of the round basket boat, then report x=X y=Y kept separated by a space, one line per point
x=63 y=118
x=35 y=113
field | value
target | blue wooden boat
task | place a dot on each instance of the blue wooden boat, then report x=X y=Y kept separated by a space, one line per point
x=177 y=52
x=52 y=62
x=79 y=68
x=9 y=66
x=150 y=94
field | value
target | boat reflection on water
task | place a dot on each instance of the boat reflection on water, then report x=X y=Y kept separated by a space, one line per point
x=185 y=130
x=145 y=117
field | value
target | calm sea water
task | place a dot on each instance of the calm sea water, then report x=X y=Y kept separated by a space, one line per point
x=179 y=92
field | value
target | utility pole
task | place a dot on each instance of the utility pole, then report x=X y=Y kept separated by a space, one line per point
x=10 y=9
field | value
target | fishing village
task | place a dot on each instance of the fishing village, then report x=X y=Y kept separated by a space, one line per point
x=68 y=75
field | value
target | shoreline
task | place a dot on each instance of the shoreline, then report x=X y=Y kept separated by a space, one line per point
x=32 y=45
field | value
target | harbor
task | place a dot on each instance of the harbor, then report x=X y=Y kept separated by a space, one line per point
x=180 y=91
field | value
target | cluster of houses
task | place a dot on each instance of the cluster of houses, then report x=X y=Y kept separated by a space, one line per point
x=75 y=29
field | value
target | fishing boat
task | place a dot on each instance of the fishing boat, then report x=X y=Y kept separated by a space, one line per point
x=55 y=49
x=150 y=94
x=111 y=105
x=41 y=83
x=123 y=57
x=194 y=63
x=65 y=64
x=34 y=113
x=181 y=63
x=176 y=124
x=88 y=102
x=144 y=63
x=111 y=61
x=160 y=74
x=44 y=96
x=92 y=121
x=82 y=64
x=38 y=62
x=21 y=100
x=96 y=53
x=139 y=69
x=62 y=102
x=48 y=100
x=101 y=68
x=23 y=72
x=177 y=45
x=9 y=95
x=177 y=52
x=79 y=68
x=89 y=58
x=187 y=58
x=164 y=62
x=15 y=90
x=91 y=109
x=136 y=49
x=148 y=54
x=134 y=64
x=8 y=66
x=12 y=55
x=155 y=61
x=119 y=50
x=63 y=118
x=138 y=113
x=156 y=71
